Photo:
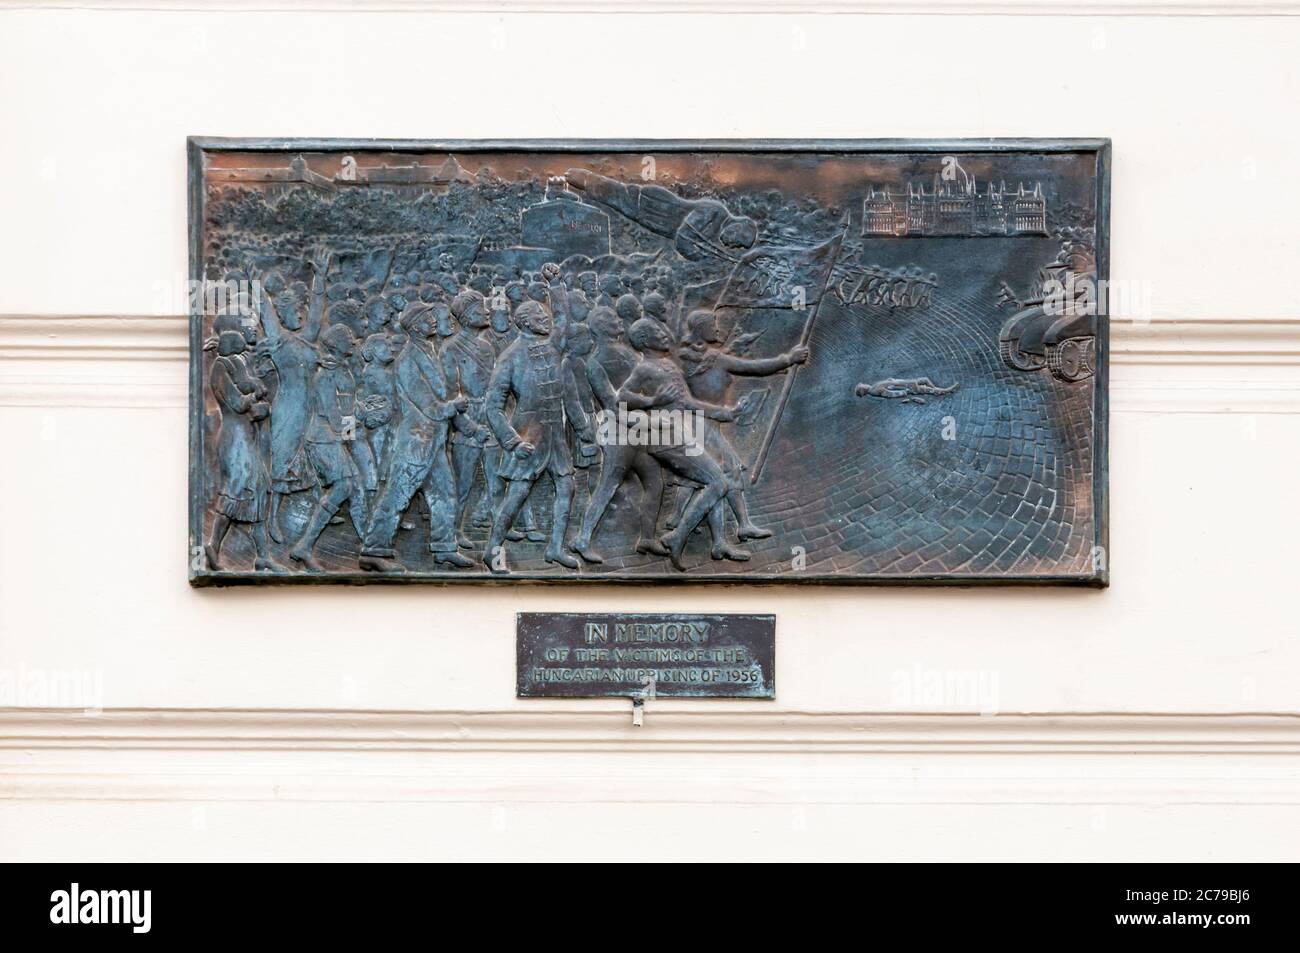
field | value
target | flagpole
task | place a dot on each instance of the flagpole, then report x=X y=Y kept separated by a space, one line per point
x=790 y=375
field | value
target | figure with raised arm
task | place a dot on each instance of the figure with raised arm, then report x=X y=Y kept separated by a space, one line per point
x=290 y=345
x=710 y=368
x=657 y=382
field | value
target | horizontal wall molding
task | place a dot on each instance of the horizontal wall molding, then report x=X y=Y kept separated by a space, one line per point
x=1173 y=366
x=93 y=337
x=93 y=361
x=1227 y=342
x=749 y=7
x=164 y=337
x=667 y=728
x=596 y=756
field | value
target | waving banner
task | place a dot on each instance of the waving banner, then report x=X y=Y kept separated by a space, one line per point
x=767 y=305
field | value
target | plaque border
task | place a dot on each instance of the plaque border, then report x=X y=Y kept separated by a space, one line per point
x=637 y=614
x=197 y=147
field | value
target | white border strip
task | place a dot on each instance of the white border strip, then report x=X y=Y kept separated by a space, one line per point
x=1206 y=8
x=668 y=727
x=696 y=756
x=164 y=338
x=1161 y=366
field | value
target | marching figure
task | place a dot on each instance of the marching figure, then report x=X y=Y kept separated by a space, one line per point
x=501 y=333
x=418 y=452
x=533 y=440
x=709 y=369
x=291 y=346
x=607 y=368
x=658 y=382
x=243 y=485
x=331 y=432
x=377 y=398
x=467 y=361
x=609 y=350
x=577 y=348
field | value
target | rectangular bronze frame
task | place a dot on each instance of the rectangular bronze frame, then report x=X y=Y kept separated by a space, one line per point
x=198 y=146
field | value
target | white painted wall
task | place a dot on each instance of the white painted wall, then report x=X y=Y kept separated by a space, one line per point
x=1156 y=719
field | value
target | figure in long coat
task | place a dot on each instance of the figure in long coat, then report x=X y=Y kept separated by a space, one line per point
x=467 y=360
x=243 y=485
x=534 y=439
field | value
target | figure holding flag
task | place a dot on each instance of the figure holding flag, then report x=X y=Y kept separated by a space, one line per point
x=774 y=293
x=710 y=370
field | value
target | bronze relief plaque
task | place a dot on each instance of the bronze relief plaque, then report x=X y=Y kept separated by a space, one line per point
x=641 y=654
x=734 y=361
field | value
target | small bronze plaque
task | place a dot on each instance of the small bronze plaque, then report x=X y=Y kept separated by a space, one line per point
x=638 y=654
